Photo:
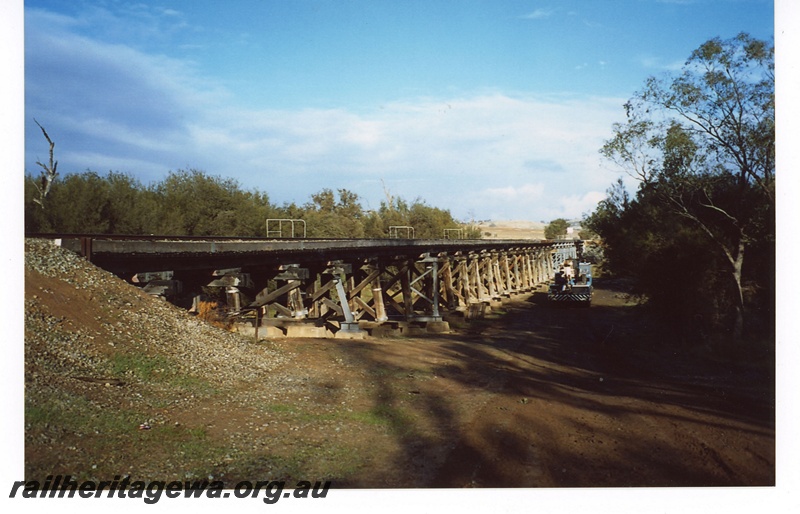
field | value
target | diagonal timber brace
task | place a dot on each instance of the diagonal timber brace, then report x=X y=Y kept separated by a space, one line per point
x=346 y=296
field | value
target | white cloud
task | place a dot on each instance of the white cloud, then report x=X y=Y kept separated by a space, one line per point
x=525 y=191
x=581 y=204
x=112 y=107
x=511 y=202
x=657 y=63
x=538 y=14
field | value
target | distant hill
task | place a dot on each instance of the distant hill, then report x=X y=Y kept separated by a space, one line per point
x=512 y=229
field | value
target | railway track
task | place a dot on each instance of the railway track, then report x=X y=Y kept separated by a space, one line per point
x=125 y=254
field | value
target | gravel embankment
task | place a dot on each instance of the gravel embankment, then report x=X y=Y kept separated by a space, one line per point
x=103 y=357
x=87 y=330
x=116 y=317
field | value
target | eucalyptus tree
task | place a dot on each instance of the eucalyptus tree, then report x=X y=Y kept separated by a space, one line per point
x=702 y=142
x=556 y=229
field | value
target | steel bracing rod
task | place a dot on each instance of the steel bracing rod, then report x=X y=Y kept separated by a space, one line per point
x=348 y=314
x=421 y=276
x=431 y=293
x=435 y=288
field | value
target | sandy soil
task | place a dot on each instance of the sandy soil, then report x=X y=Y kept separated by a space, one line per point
x=545 y=398
x=531 y=396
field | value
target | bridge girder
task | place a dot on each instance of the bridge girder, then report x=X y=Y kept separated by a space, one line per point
x=344 y=286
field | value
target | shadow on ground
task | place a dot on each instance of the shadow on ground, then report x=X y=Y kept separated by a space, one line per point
x=566 y=397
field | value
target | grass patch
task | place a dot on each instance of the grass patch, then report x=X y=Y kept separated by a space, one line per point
x=77 y=416
x=368 y=418
x=161 y=369
x=385 y=415
x=298 y=414
x=280 y=408
x=191 y=445
x=41 y=415
x=196 y=385
x=109 y=438
x=307 y=461
x=142 y=366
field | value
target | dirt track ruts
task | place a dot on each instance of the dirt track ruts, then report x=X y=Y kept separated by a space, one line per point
x=574 y=409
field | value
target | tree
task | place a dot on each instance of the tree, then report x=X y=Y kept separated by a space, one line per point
x=195 y=203
x=191 y=202
x=326 y=216
x=48 y=173
x=702 y=143
x=428 y=222
x=556 y=229
x=726 y=96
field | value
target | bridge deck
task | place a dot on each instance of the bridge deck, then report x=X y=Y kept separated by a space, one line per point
x=127 y=255
x=330 y=286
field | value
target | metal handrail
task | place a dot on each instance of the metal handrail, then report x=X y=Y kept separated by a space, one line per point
x=281 y=221
x=394 y=231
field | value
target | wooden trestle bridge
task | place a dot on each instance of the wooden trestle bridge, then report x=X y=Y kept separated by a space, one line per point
x=339 y=288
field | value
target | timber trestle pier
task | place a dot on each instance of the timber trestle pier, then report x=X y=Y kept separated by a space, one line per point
x=330 y=288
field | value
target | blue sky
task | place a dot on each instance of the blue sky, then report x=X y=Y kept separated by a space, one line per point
x=492 y=109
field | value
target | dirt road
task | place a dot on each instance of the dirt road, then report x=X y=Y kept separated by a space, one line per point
x=533 y=396
x=546 y=397
x=571 y=409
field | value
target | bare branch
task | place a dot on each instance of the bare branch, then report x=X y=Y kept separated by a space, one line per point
x=49 y=171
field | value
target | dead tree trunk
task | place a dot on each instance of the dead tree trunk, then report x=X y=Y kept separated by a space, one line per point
x=48 y=174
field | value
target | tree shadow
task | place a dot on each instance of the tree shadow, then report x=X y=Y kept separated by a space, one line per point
x=570 y=362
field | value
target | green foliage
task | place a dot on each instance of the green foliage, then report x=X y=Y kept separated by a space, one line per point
x=556 y=229
x=428 y=222
x=701 y=144
x=89 y=203
x=193 y=203
x=587 y=233
x=185 y=203
x=326 y=216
